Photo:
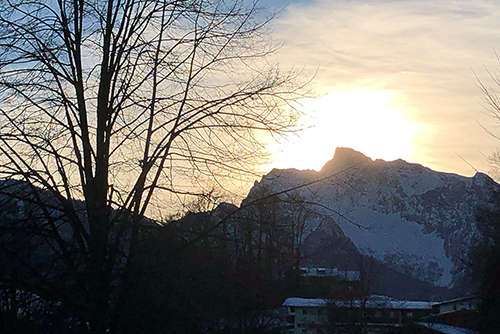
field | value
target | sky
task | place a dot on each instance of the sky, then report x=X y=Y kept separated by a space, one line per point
x=394 y=79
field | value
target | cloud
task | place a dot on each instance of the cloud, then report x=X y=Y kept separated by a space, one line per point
x=426 y=51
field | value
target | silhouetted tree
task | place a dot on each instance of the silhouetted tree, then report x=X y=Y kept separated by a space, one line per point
x=486 y=260
x=111 y=106
x=181 y=287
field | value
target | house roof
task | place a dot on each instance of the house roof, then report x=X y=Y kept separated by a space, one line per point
x=346 y=275
x=457 y=300
x=446 y=329
x=374 y=301
x=305 y=302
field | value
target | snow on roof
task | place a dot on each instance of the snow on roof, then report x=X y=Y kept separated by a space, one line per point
x=374 y=301
x=305 y=302
x=385 y=304
x=346 y=275
x=457 y=300
x=446 y=329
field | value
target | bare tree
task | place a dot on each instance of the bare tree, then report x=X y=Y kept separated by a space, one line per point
x=485 y=261
x=116 y=103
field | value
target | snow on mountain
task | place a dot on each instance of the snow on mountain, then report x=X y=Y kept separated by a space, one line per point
x=418 y=221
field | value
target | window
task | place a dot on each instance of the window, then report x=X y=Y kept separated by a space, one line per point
x=392 y=315
x=304 y=311
x=320 y=312
x=292 y=309
x=378 y=314
x=409 y=315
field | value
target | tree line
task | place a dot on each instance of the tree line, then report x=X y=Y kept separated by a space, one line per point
x=206 y=271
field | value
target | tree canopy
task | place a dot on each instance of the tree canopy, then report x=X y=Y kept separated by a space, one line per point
x=109 y=106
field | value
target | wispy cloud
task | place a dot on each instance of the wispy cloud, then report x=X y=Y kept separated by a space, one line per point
x=426 y=51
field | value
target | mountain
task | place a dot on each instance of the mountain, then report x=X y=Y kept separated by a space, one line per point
x=411 y=220
x=409 y=229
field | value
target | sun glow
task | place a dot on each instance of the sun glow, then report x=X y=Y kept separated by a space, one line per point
x=364 y=120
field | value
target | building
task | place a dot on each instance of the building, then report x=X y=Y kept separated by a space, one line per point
x=307 y=315
x=378 y=314
x=454 y=305
x=453 y=316
x=343 y=275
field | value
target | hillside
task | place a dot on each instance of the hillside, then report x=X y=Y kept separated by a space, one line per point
x=412 y=220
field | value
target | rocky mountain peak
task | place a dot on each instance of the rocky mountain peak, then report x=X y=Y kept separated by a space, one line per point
x=344 y=158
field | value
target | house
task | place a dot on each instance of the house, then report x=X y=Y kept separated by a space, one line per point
x=344 y=275
x=454 y=305
x=307 y=315
x=457 y=314
x=379 y=314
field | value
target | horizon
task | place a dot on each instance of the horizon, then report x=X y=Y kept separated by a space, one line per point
x=375 y=160
x=392 y=79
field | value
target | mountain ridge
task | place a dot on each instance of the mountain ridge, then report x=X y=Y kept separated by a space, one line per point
x=418 y=221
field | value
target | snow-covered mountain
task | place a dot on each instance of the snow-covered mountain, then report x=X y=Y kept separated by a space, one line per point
x=417 y=221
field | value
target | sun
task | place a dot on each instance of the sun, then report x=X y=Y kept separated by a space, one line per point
x=365 y=120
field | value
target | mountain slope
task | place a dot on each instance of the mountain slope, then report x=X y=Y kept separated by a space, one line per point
x=417 y=221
